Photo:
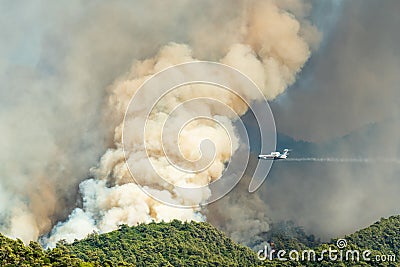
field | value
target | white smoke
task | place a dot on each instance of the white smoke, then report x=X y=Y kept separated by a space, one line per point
x=55 y=61
x=269 y=41
x=271 y=50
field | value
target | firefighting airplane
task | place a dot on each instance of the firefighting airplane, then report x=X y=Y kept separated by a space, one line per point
x=275 y=155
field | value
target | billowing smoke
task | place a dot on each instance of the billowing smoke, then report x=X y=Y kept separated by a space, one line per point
x=56 y=61
x=270 y=45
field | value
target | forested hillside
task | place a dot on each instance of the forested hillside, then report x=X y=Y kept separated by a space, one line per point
x=191 y=244
x=164 y=244
x=383 y=236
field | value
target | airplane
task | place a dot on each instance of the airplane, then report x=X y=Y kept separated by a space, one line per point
x=275 y=155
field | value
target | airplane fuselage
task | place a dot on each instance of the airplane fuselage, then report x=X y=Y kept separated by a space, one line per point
x=271 y=158
x=275 y=155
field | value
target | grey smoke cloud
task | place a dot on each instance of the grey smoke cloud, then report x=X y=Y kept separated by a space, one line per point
x=56 y=62
x=353 y=79
x=271 y=48
x=59 y=59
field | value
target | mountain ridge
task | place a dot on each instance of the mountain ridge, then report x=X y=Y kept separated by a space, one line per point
x=179 y=243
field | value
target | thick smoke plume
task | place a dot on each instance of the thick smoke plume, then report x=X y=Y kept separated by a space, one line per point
x=56 y=61
x=271 y=47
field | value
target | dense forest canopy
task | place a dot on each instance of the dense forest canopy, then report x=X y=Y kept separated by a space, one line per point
x=193 y=244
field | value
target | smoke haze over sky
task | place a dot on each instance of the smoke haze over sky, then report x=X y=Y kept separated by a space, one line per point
x=346 y=105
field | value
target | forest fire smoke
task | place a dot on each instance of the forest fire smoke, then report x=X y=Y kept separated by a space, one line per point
x=272 y=44
x=264 y=55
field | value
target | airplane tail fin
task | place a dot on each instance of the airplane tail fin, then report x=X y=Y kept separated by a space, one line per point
x=286 y=151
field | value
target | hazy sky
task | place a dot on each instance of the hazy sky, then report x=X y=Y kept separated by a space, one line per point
x=346 y=101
